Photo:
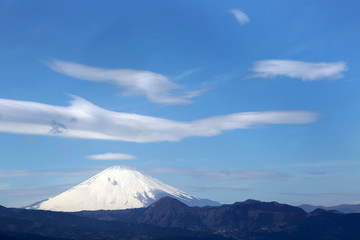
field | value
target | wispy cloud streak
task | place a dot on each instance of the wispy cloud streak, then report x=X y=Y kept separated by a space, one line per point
x=34 y=191
x=240 y=16
x=330 y=195
x=83 y=119
x=50 y=172
x=220 y=174
x=306 y=71
x=156 y=87
x=218 y=189
x=332 y=163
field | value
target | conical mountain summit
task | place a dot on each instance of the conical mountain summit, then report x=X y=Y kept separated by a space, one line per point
x=117 y=187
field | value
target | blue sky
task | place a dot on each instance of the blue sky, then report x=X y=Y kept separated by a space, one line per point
x=227 y=100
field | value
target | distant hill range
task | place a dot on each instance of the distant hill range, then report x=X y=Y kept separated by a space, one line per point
x=253 y=220
x=344 y=208
x=168 y=218
x=21 y=224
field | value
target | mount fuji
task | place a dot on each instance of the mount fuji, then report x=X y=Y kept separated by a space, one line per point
x=116 y=188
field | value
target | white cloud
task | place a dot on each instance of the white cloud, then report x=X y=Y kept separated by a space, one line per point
x=307 y=71
x=156 y=87
x=83 y=119
x=220 y=174
x=111 y=156
x=240 y=16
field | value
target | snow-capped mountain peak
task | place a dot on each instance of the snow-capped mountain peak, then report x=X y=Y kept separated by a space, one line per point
x=117 y=187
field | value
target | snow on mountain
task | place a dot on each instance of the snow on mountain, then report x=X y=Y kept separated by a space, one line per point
x=114 y=188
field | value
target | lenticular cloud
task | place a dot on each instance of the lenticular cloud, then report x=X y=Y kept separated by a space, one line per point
x=307 y=71
x=83 y=119
x=156 y=87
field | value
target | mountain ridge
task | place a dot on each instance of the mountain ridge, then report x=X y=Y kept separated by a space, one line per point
x=115 y=188
x=20 y=224
x=344 y=208
x=249 y=220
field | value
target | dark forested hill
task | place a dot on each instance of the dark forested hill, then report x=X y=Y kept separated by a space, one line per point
x=243 y=220
x=16 y=224
x=169 y=218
